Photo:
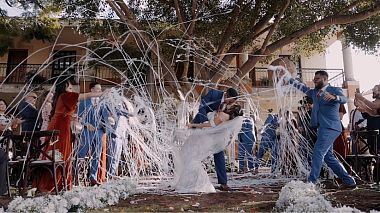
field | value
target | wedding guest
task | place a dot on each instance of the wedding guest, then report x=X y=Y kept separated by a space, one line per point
x=3 y=172
x=63 y=107
x=94 y=120
x=7 y=121
x=268 y=141
x=369 y=112
x=28 y=112
x=247 y=141
x=119 y=138
x=46 y=107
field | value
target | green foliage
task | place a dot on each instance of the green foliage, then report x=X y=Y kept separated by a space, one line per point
x=159 y=19
x=36 y=22
x=365 y=35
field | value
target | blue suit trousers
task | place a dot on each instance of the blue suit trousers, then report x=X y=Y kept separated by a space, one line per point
x=267 y=144
x=323 y=150
x=245 y=150
x=220 y=167
x=91 y=141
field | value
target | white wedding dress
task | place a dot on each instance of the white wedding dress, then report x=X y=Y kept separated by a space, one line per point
x=194 y=146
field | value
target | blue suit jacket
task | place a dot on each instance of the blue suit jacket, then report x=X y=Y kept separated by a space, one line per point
x=246 y=133
x=325 y=114
x=271 y=124
x=28 y=113
x=209 y=103
x=87 y=112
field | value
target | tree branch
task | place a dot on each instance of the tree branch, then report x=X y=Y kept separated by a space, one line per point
x=125 y=14
x=274 y=25
x=180 y=15
x=194 y=15
x=328 y=21
x=239 y=46
x=230 y=26
x=349 y=7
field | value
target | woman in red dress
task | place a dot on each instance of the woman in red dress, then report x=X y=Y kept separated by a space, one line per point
x=64 y=107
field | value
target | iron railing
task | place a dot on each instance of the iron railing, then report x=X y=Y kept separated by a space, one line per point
x=40 y=73
x=18 y=74
x=261 y=77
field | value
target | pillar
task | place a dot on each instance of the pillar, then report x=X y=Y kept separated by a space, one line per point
x=350 y=84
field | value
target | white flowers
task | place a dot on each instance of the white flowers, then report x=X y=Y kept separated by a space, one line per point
x=298 y=196
x=80 y=197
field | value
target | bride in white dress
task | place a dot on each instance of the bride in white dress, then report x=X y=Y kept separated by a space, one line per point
x=199 y=143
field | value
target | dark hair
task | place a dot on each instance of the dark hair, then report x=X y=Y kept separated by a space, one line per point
x=60 y=88
x=234 y=111
x=6 y=104
x=93 y=84
x=232 y=93
x=323 y=73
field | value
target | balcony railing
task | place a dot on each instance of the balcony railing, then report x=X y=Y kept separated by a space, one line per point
x=262 y=78
x=20 y=74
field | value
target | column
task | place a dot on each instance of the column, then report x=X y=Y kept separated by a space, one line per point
x=347 y=62
x=350 y=84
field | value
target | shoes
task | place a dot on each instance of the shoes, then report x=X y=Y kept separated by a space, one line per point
x=255 y=171
x=95 y=183
x=329 y=184
x=346 y=186
x=223 y=187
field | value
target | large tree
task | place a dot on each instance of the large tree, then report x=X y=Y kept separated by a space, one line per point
x=216 y=31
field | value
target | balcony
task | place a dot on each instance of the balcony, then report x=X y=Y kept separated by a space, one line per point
x=261 y=77
x=20 y=74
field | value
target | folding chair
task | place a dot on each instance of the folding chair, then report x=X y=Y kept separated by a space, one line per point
x=36 y=149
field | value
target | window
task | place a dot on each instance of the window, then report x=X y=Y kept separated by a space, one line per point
x=63 y=63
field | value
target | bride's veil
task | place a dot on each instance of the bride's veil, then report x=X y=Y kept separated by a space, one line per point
x=195 y=145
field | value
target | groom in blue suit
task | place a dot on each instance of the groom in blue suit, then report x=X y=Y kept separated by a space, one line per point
x=94 y=121
x=325 y=118
x=216 y=100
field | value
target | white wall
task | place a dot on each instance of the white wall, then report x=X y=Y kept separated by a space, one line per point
x=316 y=61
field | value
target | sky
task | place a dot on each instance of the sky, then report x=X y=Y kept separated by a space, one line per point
x=11 y=11
x=366 y=67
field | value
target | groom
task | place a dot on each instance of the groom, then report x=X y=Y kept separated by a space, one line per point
x=216 y=100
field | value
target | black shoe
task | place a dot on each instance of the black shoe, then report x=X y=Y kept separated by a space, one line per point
x=255 y=171
x=95 y=183
x=346 y=186
x=223 y=187
x=329 y=184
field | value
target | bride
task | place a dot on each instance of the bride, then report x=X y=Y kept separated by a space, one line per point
x=199 y=142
